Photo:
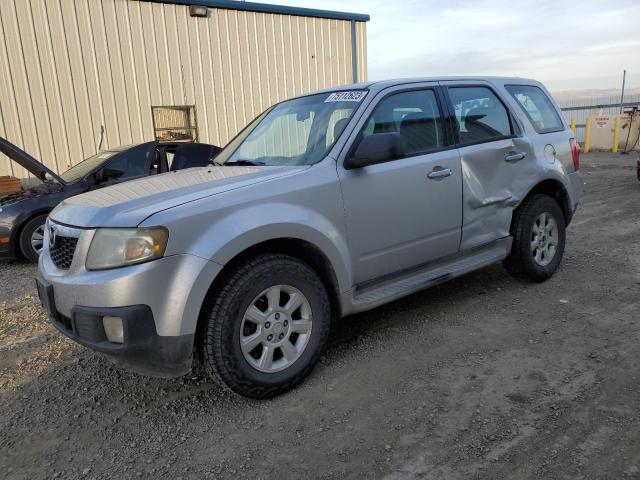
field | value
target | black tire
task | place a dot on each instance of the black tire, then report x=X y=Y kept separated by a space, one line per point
x=521 y=262
x=221 y=351
x=25 y=238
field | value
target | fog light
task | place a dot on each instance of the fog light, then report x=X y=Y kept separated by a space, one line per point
x=114 y=329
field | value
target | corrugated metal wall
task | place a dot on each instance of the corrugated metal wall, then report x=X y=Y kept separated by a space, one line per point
x=70 y=67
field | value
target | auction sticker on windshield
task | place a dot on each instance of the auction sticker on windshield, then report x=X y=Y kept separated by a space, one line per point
x=350 y=96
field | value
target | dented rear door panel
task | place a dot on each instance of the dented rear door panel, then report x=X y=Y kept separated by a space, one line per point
x=491 y=187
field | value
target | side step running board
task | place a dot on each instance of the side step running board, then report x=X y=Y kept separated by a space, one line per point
x=432 y=274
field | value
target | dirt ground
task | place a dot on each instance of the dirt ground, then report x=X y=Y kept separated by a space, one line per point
x=482 y=377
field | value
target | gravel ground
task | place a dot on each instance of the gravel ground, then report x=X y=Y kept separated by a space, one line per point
x=483 y=377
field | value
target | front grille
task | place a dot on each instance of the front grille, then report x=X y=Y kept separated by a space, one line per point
x=62 y=251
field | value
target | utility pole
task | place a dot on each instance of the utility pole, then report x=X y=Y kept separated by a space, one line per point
x=624 y=77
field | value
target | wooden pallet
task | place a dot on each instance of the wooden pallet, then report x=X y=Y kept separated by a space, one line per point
x=9 y=185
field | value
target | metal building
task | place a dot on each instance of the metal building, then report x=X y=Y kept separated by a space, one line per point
x=81 y=75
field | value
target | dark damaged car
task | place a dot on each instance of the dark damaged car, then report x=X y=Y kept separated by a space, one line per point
x=23 y=214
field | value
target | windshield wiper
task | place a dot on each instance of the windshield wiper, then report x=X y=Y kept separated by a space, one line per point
x=244 y=162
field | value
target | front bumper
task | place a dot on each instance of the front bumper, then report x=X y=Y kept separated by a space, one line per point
x=142 y=351
x=159 y=301
x=7 y=250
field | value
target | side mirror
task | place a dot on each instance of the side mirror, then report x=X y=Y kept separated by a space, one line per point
x=376 y=148
x=108 y=174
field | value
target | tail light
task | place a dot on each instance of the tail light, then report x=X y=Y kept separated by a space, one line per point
x=575 y=153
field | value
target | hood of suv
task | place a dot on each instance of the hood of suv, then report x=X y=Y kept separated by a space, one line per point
x=26 y=161
x=127 y=204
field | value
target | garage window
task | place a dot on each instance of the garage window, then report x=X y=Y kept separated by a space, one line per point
x=175 y=123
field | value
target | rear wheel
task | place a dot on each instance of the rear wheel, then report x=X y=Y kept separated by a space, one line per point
x=32 y=238
x=538 y=231
x=267 y=326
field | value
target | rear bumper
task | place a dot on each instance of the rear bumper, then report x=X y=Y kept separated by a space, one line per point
x=143 y=350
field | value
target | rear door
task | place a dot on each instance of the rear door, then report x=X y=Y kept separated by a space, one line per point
x=497 y=161
x=406 y=211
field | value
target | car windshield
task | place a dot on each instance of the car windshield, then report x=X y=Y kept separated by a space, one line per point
x=85 y=167
x=295 y=132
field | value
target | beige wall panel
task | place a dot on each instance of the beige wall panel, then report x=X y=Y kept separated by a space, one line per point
x=130 y=77
x=92 y=80
x=237 y=76
x=215 y=96
x=122 y=93
x=35 y=85
x=199 y=62
x=185 y=68
x=68 y=67
x=76 y=88
x=23 y=115
x=65 y=99
x=175 y=58
x=150 y=52
x=251 y=64
x=362 y=51
x=8 y=111
x=47 y=68
x=264 y=57
x=105 y=72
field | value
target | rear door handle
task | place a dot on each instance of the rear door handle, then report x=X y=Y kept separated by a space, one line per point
x=438 y=173
x=514 y=156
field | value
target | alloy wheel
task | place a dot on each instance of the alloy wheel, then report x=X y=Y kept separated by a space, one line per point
x=276 y=328
x=544 y=239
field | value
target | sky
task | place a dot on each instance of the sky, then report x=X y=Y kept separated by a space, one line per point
x=568 y=45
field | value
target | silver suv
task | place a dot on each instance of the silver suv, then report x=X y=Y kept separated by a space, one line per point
x=325 y=205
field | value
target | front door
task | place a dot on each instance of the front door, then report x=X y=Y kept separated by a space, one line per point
x=406 y=211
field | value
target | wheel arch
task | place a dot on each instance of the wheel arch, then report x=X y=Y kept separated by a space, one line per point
x=21 y=223
x=298 y=248
x=556 y=190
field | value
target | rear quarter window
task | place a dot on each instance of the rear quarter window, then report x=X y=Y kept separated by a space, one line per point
x=538 y=107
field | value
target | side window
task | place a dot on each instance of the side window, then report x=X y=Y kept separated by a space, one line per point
x=537 y=106
x=134 y=162
x=188 y=155
x=480 y=115
x=414 y=115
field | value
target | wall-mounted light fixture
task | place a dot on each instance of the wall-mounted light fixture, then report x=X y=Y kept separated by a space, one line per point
x=198 y=11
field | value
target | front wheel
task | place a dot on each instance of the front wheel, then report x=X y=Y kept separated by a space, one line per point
x=538 y=231
x=266 y=327
x=32 y=238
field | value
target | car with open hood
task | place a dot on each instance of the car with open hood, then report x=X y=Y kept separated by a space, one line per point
x=325 y=205
x=23 y=214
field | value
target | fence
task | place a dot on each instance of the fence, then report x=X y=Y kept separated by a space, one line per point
x=579 y=110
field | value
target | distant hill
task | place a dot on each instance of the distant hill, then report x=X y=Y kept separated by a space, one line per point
x=593 y=93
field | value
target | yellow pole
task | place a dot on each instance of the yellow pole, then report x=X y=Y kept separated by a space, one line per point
x=573 y=125
x=616 y=134
x=587 y=135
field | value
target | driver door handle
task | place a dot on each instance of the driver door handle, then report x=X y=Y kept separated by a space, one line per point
x=514 y=156
x=438 y=173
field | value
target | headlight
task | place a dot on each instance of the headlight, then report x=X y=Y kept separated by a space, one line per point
x=117 y=247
